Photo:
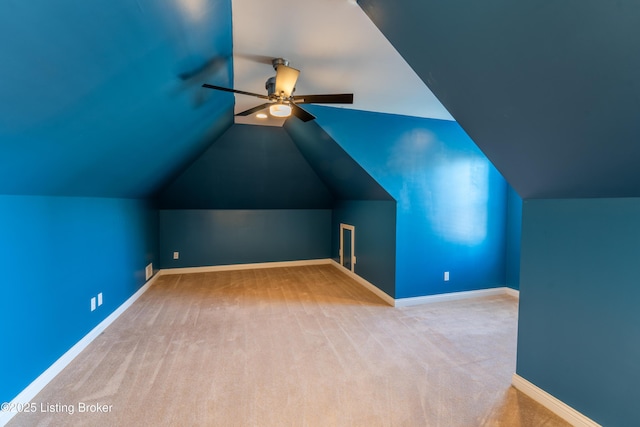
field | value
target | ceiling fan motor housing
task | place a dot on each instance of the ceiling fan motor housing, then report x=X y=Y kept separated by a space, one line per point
x=270 y=86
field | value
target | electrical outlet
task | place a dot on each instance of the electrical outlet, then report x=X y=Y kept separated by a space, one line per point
x=446 y=276
x=99 y=299
x=148 y=271
x=93 y=303
x=176 y=255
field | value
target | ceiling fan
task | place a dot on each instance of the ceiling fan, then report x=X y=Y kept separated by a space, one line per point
x=280 y=98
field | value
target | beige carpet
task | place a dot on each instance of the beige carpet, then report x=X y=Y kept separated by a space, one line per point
x=304 y=346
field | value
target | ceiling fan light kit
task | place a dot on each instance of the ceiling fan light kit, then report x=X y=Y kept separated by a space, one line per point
x=281 y=101
x=280 y=110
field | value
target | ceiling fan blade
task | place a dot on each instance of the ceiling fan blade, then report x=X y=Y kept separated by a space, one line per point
x=303 y=115
x=338 y=98
x=242 y=92
x=260 y=59
x=250 y=111
x=286 y=78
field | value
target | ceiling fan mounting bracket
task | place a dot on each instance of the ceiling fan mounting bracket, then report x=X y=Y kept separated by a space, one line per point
x=270 y=86
x=279 y=61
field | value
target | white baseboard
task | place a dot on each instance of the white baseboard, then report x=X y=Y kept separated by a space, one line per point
x=553 y=404
x=405 y=302
x=230 y=267
x=371 y=287
x=39 y=383
x=453 y=296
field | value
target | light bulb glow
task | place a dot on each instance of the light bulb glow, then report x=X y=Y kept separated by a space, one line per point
x=280 y=110
x=261 y=115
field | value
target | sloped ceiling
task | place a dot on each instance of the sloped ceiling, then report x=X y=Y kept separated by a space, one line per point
x=337 y=49
x=249 y=167
x=105 y=99
x=102 y=99
x=550 y=91
x=344 y=177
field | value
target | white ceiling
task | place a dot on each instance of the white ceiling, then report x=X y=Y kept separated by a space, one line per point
x=337 y=49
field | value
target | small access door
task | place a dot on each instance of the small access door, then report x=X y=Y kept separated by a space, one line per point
x=347 y=246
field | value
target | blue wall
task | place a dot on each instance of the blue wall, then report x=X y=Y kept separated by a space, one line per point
x=359 y=201
x=451 y=212
x=55 y=254
x=451 y=201
x=579 y=317
x=223 y=237
x=514 y=233
x=250 y=197
x=375 y=239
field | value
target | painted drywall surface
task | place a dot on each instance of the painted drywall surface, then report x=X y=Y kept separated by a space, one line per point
x=232 y=236
x=55 y=255
x=451 y=201
x=514 y=233
x=345 y=178
x=107 y=101
x=548 y=90
x=360 y=201
x=375 y=239
x=248 y=167
x=579 y=294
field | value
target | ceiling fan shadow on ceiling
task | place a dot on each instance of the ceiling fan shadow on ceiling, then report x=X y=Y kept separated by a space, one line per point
x=280 y=99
